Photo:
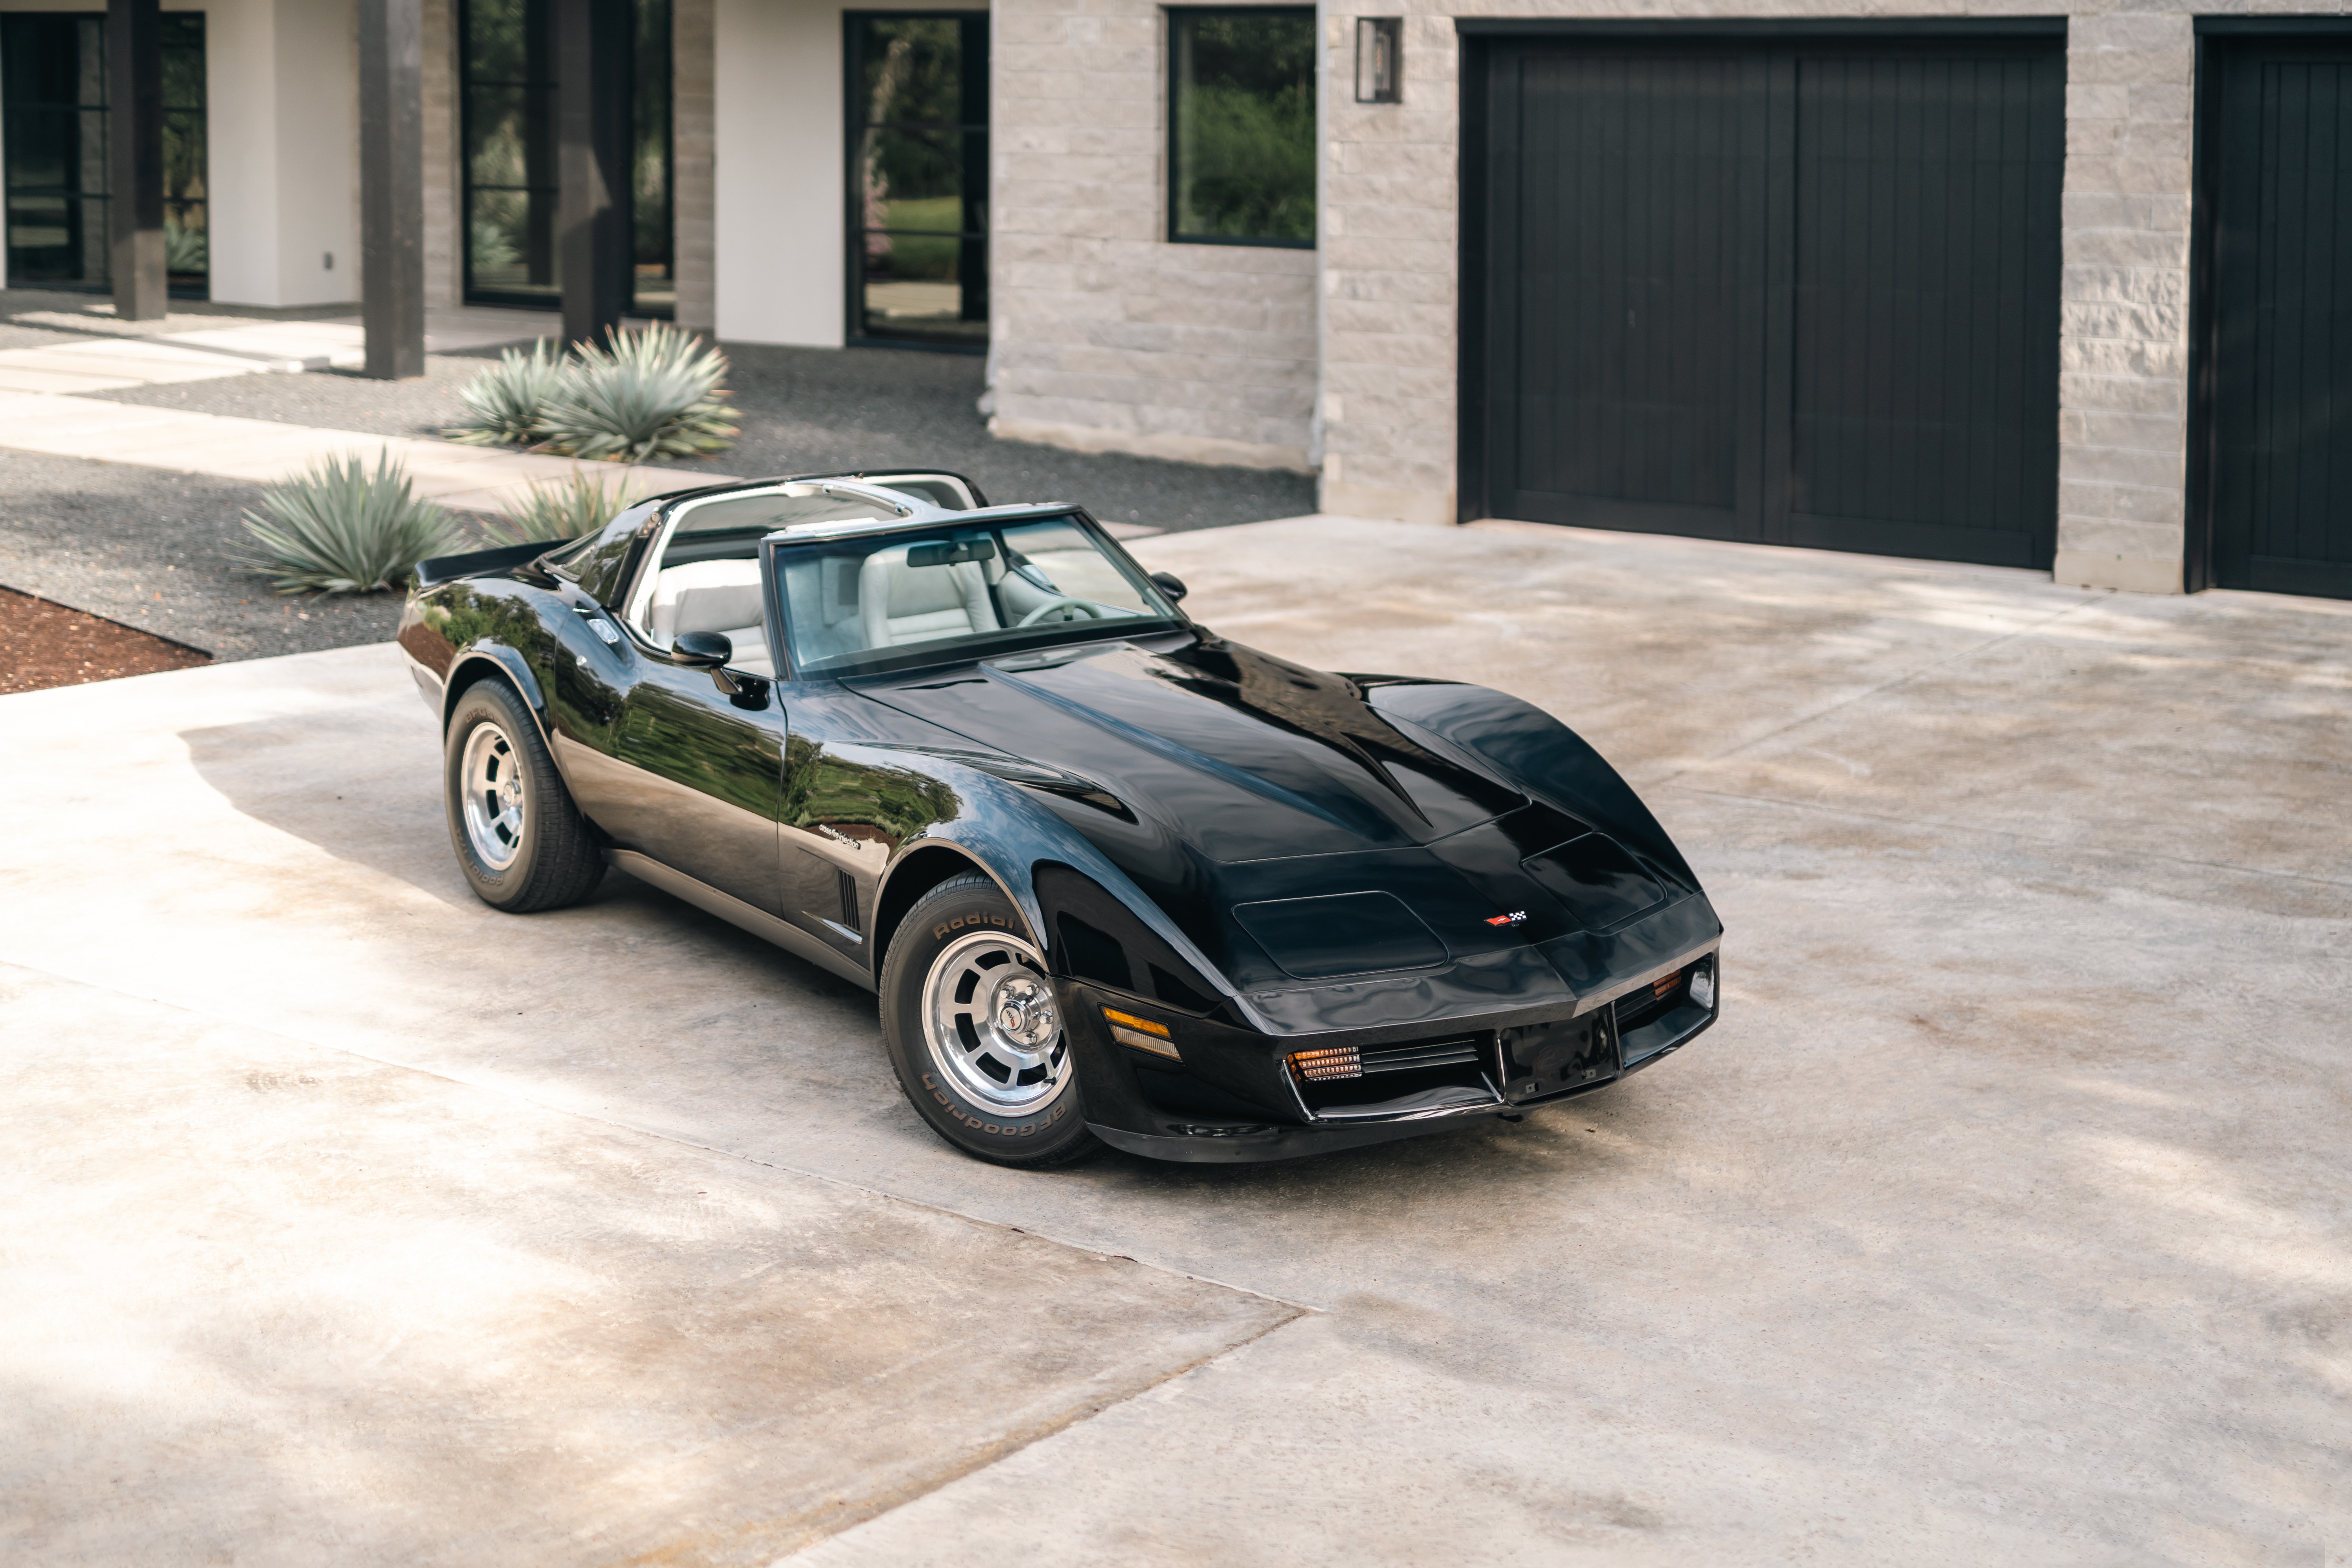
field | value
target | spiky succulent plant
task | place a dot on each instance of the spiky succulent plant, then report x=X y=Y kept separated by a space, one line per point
x=653 y=393
x=339 y=529
x=506 y=401
x=561 y=509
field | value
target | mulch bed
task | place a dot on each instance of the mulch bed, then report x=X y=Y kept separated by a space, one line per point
x=44 y=644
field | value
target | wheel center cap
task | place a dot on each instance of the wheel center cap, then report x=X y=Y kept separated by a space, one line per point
x=1025 y=1012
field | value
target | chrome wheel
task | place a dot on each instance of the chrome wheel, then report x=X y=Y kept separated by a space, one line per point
x=490 y=779
x=989 y=1020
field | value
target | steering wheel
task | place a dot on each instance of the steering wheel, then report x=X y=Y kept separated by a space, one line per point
x=1094 y=612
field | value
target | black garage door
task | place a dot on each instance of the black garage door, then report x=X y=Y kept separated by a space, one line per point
x=1798 y=291
x=2278 y=218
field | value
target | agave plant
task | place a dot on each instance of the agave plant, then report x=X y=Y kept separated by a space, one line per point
x=565 y=510
x=339 y=529
x=648 y=393
x=185 y=249
x=507 y=400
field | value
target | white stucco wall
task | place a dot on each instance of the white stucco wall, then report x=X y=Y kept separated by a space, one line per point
x=779 y=238
x=282 y=165
x=282 y=82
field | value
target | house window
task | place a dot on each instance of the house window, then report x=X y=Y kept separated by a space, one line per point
x=511 y=171
x=917 y=143
x=187 y=247
x=651 y=224
x=513 y=256
x=52 y=88
x=1241 y=127
x=54 y=141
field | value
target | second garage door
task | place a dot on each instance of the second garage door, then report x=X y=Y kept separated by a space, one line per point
x=1797 y=292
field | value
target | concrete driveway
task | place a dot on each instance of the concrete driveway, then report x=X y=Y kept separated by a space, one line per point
x=2003 y=1219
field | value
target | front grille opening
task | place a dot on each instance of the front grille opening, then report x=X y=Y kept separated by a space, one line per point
x=1340 y=1076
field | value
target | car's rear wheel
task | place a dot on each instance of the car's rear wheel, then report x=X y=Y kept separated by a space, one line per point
x=969 y=1020
x=522 y=843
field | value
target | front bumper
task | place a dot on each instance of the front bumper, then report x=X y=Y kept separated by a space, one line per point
x=1234 y=1096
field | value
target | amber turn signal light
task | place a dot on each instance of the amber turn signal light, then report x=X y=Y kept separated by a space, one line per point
x=1141 y=1033
x=1339 y=1061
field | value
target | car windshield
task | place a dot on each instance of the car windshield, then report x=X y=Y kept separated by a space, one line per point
x=960 y=591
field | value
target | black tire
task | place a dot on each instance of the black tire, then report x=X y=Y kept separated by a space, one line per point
x=540 y=855
x=973 y=1083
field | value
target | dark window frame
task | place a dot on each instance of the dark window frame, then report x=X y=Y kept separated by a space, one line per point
x=533 y=297
x=853 y=127
x=1172 y=231
x=470 y=292
x=192 y=284
x=189 y=285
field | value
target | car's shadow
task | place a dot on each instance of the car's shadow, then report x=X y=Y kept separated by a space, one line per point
x=369 y=794
x=346 y=781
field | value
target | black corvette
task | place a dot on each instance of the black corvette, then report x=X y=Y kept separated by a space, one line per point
x=1117 y=879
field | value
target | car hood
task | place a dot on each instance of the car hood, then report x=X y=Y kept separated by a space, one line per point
x=1240 y=756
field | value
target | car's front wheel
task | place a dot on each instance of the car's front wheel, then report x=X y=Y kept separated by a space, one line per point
x=973 y=1027
x=522 y=843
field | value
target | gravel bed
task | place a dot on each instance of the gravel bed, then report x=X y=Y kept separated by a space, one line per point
x=155 y=550
x=804 y=410
x=152 y=550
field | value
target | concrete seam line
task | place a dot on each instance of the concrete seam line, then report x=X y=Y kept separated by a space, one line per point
x=1013 y=1443
x=1299 y=1308
x=1879 y=689
x=2012 y=834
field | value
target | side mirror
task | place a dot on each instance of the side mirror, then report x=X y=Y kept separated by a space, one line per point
x=1168 y=583
x=702 y=650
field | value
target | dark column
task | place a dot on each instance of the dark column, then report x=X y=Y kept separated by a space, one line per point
x=971 y=260
x=592 y=40
x=134 y=134
x=391 y=186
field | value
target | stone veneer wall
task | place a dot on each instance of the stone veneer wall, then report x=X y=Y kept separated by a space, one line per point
x=444 y=279
x=1105 y=337
x=1391 y=194
x=2123 y=369
x=692 y=168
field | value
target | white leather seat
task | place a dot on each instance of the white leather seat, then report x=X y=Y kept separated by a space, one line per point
x=902 y=603
x=720 y=596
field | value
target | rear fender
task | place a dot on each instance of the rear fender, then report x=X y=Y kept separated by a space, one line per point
x=485 y=660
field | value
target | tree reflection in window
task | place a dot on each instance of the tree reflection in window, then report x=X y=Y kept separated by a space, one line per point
x=1241 y=142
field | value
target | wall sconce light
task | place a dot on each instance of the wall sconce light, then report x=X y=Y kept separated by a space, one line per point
x=1380 y=59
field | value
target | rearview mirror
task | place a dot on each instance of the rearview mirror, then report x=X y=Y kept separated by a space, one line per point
x=1168 y=583
x=702 y=650
x=950 y=554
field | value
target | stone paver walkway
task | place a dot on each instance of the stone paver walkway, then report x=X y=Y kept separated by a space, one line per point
x=118 y=355
x=264 y=451
x=39 y=411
